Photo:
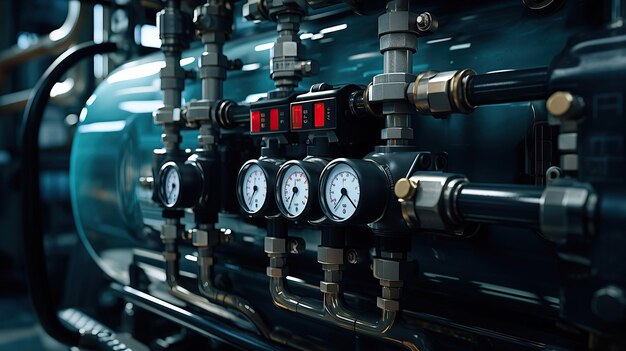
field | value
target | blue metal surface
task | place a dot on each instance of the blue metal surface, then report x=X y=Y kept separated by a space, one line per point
x=116 y=136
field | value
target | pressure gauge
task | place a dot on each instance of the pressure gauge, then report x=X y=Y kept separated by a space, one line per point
x=343 y=191
x=170 y=184
x=297 y=189
x=353 y=191
x=255 y=187
x=180 y=186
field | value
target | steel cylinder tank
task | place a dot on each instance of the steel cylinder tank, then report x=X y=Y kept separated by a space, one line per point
x=114 y=141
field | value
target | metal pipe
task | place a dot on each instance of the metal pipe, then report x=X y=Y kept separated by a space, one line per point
x=330 y=308
x=204 y=325
x=500 y=203
x=398 y=43
x=57 y=41
x=508 y=86
x=228 y=300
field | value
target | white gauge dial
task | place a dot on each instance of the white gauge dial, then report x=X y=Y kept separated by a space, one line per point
x=170 y=186
x=254 y=189
x=294 y=191
x=342 y=191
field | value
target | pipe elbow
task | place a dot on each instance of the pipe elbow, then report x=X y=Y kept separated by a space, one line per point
x=281 y=297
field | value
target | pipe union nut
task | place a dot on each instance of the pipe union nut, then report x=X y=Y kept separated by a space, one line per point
x=275 y=272
x=198 y=111
x=567 y=211
x=442 y=93
x=328 y=287
x=387 y=269
x=200 y=237
x=169 y=232
x=396 y=133
x=275 y=245
x=435 y=198
x=391 y=293
x=329 y=255
x=253 y=10
x=387 y=305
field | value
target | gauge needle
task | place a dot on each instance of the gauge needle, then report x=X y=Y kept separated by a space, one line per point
x=295 y=191
x=344 y=193
x=349 y=199
x=254 y=189
x=171 y=190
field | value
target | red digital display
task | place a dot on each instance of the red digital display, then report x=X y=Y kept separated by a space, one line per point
x=319 y=114
x=274 y=119
x=296 y=117
x=255 y=121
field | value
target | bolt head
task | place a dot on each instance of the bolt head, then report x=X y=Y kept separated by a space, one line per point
x=405 y=189
x=609 y=303
x=352 y=257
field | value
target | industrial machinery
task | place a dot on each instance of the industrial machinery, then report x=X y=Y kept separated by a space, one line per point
x=360 y=175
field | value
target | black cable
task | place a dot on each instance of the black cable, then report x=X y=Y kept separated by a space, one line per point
x=36 y=267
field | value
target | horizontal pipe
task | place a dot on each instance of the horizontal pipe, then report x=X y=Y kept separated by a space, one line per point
x=203 y=325
x=499 y=203
x=508 y=86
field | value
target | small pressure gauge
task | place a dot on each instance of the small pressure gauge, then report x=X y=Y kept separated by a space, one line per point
x=343 y=191
x=180 y=185
x=255 y=187
x=353 y=191
x=170 y=184
x=297 y=189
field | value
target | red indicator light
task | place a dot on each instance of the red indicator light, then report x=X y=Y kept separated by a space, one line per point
x=274 y=119
x=255 y=121
x=319 y=114
x=296 y=117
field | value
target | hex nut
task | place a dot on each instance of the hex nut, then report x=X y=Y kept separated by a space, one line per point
x=396 y=133
x=169 y=232
x=287 y=49
x=391 y=293
x=278 y=262
x=563 y=211
x=329 y=255
x=396 y=22
x=200 y=237
x=387 y=305
x=439 y=93
x=328 y=287
x=276 y=272
x=252 y=10
x=275 y=245
x=332 y=275
x=387 y=269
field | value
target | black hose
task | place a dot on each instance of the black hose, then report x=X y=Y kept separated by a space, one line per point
x=508 y=86
x=36 y=267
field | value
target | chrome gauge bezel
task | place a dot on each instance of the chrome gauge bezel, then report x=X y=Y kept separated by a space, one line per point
x=311 y=196
x=163 y=173
x=324 y=179
x=269 y=198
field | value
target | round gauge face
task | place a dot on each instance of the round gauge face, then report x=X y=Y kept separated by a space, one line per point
x=342 y=192
x=254 y=189
x=170 y=186
x=294 y=191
